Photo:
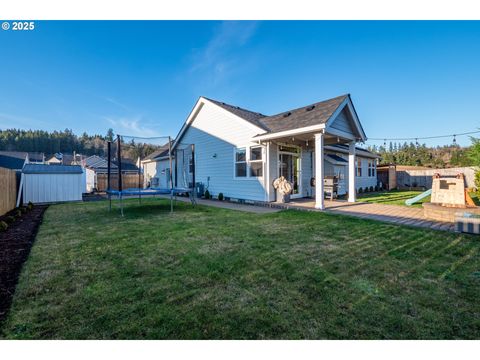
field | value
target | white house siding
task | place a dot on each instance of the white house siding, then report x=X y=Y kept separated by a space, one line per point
x=307 y=173
x=157 y=170
x=46 y=188
x=364 y=180
x=342 y=123
x=216 y=133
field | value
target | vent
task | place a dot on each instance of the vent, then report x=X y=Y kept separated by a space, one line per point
x=287 y=114
x=310 y=108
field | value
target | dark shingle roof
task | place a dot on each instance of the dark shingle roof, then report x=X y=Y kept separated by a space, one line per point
x=344 y=149
x=336 y=158
x=314 y=114
x=96 y=162
x=162 y=151
x=250 y=116
x=51 y=169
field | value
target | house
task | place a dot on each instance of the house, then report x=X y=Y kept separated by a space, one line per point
x=156 y=168
x=96 y=169
x=240 y=153
x=43 y=183
x=14 y=160
x=65 y=159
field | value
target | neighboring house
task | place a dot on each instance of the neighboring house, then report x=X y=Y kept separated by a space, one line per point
x=65 y=159
x=240 y=152
x=96 y=166
x=156 y=168
x=15 y=160
x=42 y=183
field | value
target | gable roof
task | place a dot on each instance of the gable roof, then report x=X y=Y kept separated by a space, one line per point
x=317 y=114
x=96 y=162
x=160 y=152
x=313 y=114
x=253 y=117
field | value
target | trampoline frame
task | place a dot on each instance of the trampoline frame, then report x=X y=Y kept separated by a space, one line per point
x=173 y=191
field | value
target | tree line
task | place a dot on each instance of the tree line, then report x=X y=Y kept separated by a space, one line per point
x=414 y=154
x=67 y=142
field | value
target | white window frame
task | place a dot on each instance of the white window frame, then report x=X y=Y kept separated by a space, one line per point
x=235 y=162
x=247 y=160
x=261 y=161
x=371 y=168
x=358 y=161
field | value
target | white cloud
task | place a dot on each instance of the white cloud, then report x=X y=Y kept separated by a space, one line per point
x=217 y=59
x=117 y=103
x=131 y=126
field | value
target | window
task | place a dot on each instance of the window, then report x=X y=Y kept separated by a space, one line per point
x=256 y=163
x=240 y=163
x=371 y=168
x=359 y=167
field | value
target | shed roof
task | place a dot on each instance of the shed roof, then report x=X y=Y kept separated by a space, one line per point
x=51 y=169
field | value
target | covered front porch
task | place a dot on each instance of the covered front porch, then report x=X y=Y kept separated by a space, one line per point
x=299 y=147
x=305 y=160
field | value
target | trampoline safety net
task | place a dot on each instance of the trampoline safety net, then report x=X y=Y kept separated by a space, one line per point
x=149 y=166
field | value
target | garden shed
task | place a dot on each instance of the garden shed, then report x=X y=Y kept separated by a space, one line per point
x=43 y=183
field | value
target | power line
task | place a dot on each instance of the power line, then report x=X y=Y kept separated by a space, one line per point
x=426 y=137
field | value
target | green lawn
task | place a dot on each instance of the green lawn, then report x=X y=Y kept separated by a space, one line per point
x=216 y=273
x=393 y=197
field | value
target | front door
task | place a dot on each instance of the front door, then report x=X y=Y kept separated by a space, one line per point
x=289 y=165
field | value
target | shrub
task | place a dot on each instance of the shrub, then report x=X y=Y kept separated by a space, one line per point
x=3 y=226
x=18 y=213
x=376 y=188
x=30 y=205
x=371 y=188
x=360 y=190
x=220 y=196
x=366 y=189
x=23 y=209
x=207 y=194
x=10 y=219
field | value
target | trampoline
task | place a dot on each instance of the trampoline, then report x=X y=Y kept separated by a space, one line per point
x=173 y=190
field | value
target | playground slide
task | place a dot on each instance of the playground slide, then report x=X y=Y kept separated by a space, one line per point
x=419 y=197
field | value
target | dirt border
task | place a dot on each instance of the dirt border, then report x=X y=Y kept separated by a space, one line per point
x=15 y=245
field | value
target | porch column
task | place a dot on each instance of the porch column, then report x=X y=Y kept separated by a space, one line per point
x=319 y=172
x=352 y=193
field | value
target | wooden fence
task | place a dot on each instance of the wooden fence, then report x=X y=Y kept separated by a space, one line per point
x=8 y=190
x=423 y=178
x=128 y=181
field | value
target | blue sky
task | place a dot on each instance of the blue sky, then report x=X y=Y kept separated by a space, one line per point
x=407 y=79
